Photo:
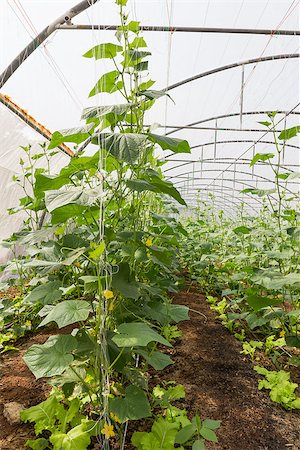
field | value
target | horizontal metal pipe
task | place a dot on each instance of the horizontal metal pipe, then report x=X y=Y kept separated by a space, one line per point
x=175 y=29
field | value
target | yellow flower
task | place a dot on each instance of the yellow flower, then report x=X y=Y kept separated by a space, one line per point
x=108 y=294
x=108 y=431
x=115 y=418
x=282 y=333
x=149 y=242
x=148 y=254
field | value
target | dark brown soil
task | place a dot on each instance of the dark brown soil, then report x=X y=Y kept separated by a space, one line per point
x=220 y=384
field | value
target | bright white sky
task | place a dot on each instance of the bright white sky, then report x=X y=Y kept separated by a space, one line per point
x=37 y=87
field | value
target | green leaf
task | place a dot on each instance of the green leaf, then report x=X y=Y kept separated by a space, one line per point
x=123 y=146
x=165 y=433
x=185 y=434
x=265 y=123
x=99 y=111
x=77 y=438
x=198 y=445
x=137 y=335
x=51 y=358
x=289 y=133
x=98 y=251
x=157 y=360
x=76 y=195
x=173 y=144
x=43 y=412
x=208 y=434
x=68 y=312
x=261 y=157
x=212 y=424
x=123 y=282
x=242 y=230
x=293 y=340
x=138 y=42
x=155 y=185
x=76 y=135
x=153 y=95
x=106 y=50
x=257 y=302
x=38 y=444
x=46 y=294
x=107 y=83
x=133 y=406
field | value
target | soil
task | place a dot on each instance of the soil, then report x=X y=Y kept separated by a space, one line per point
x=219 y=382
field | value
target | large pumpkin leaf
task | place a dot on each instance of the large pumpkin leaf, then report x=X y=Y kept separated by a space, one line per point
x=51 y=358
x=68 y=312
x=137 y=334
x=133 y=406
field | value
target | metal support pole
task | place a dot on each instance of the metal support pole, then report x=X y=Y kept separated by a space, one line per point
x=242 y=97
x=216 y=138
x=184 y=29
x=253 y=154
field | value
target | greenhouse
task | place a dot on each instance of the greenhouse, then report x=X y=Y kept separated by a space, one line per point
x=149 y=225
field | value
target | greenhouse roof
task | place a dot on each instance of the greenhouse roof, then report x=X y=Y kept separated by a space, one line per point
x=224 y=64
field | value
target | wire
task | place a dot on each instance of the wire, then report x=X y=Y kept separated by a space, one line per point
x=47 y=55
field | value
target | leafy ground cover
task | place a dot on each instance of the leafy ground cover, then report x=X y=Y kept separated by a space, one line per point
x=218 y=380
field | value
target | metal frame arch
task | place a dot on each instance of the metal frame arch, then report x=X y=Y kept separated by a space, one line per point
x=225 y=116
x=230 y=66
x=231 y=171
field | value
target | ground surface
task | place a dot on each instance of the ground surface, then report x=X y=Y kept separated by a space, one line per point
x=219 y=382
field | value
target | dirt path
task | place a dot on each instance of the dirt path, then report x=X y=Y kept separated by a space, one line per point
x=220 y=384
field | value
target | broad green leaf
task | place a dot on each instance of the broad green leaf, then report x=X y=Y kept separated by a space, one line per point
x=77 y=438
x=138 y=42
x=198 y=445
x=44 y=411
x=123 y=282
x=178 y=313
x=76 y=195
x=46 y=294
x=51 y=358
x=76 y=135
x=173 y=144
x=261 y=157
x=107 y=83
x=257 y=302
x=208 y=434
x=242 y=230
x=165 y=433
x=146 y=85
x=289 y=133
x=185 y=434
x=293 y=340
x=259 y=192
x=68 y=312
x=38 y=444
x=133 y=57
x=265 y=123
x=133 y=406
x=106 y=50
x=99 y=111
x=157 y=360
x=123 y=146
x=137 y=335
x=155 y=185
x=212 y=424
x=98 y=251
x=151 y=94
